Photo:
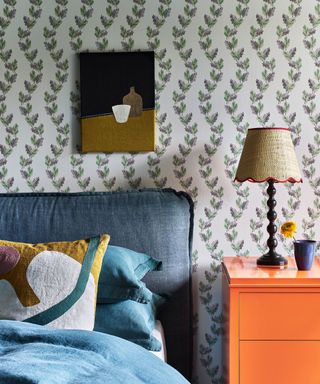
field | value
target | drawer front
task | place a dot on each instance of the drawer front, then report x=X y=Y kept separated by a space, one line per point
x=279 y=362
x=280 y=316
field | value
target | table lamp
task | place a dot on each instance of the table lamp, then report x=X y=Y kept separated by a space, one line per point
x=268 y=156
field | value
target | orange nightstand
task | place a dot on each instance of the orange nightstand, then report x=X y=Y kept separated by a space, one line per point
x=272 y=328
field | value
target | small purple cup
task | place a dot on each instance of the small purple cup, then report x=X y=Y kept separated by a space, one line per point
x=304 y=253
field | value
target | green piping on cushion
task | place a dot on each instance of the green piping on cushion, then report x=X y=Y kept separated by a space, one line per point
x=63 y=306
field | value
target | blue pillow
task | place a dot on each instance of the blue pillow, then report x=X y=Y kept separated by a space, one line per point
x=130 y=320
x=121 y=272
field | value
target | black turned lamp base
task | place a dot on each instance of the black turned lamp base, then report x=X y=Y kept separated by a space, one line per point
x=272 y=261
x=272 y=258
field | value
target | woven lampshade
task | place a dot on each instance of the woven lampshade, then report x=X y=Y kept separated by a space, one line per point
x=268 y=154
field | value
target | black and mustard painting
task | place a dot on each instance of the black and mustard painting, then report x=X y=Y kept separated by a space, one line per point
x=117 y=101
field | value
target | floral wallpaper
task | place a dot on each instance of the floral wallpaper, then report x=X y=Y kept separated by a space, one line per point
x=222 y=66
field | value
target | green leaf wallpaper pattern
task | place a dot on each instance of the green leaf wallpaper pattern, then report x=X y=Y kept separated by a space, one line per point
x=262 y=84
x=237 y=116
x=8 y=76
x=185 y=86
x=165 y=65
x=309 y=159
x=31 y=84
x=283 y=96
x=206 y=36
x=221 y=66
x=51 y=95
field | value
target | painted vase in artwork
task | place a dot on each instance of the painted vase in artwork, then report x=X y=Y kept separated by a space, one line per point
x=135 y=100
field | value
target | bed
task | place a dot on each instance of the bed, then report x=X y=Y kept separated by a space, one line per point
x=156 y=222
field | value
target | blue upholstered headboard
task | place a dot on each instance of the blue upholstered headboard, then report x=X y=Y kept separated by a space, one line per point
x=157 y=222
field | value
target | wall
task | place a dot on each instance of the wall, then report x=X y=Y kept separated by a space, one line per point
x=221 y=66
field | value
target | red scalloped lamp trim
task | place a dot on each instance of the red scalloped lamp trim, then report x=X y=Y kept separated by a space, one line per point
x=290 y=180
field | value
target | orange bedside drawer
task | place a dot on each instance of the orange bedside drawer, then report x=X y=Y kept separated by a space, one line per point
x=279 y=362
x=280 y=316
x=272 y=323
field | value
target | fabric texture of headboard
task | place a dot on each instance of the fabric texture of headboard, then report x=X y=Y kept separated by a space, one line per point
x=158 y=222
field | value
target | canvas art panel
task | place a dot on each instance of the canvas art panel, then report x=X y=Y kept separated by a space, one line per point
x=117 y=101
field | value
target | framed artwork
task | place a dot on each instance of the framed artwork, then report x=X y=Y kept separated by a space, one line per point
x=117 y=101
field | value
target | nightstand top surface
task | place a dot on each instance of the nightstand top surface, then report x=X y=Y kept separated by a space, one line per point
x=243 y=271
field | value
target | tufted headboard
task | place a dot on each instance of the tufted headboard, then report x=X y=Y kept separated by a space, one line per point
x=156 y=222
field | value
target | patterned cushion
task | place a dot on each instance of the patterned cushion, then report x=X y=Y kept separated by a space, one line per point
x=53 y=283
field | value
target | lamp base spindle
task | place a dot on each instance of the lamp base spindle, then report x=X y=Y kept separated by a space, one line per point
x=272 y=258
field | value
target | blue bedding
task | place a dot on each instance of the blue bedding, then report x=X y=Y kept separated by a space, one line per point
x=33 y=354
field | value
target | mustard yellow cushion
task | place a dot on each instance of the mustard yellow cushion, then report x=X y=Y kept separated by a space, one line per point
x=51 y=283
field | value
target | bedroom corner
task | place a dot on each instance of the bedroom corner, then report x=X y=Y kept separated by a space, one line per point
x=220 y=68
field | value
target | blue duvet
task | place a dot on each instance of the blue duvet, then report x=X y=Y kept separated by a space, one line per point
x=33 y=354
